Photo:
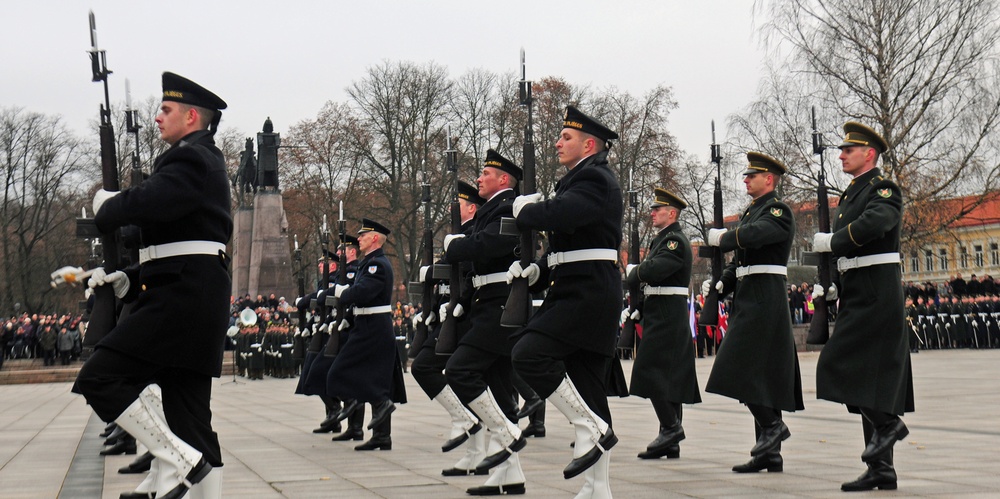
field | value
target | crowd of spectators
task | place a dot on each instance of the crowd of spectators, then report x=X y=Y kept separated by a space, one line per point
x=49 y=337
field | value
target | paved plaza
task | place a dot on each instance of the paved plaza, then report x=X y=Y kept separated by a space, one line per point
x=49 y=443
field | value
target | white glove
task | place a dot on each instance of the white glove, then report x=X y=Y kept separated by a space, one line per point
x=719 y=287
x=629 y=268
x=343 y=325
x=416 y=319
x=818 y=291
x=624 y=316
x=117 y=279
x=339 y=289
x=522 y=201
x=714 y=235
x=458 y=311
x=443 y=311
x=636 y=315
x=832 y=294
x=448 y=238
x=333 y=312
x=531 y=273
x=87 y=293
x=65 y=274
x=423 y=273
x=430 y=318
x=323 y=327
x=706 y=286
x=100 y=197
x=821 y=242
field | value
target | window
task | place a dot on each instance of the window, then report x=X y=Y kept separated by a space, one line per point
x=929 y=260
x=963 y=255
x=914 y=262
x=943 y=257
x=994 y=254
x=979 y=255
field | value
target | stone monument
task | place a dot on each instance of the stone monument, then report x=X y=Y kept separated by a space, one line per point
x=262 y=262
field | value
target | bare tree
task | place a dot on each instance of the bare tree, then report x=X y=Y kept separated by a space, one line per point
x=922 y=72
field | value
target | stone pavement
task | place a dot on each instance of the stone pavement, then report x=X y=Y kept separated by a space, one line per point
x=49 y=442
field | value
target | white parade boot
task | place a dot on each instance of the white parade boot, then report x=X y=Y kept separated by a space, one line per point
x=180 y=465
x=210 y=487
x=593 y=435
x=597 y=484
x=506 y=479
x=475 y=451
x=505 y=432
x=463 y=422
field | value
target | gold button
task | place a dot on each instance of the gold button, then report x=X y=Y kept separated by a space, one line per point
x=840 y=216
x=552 y=283
x=143 y=287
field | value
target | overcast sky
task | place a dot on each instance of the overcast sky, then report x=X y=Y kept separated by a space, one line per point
x=285 y=59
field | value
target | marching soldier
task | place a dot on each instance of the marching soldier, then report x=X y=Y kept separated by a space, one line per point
x=664 y=369
x=564 y=353
x=866 y=363
x=479 y=372
x=428 y=367
x=367 y=368
x=760 y=326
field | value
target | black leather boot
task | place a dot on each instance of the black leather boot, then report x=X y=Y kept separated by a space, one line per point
x=671 y=431
x=536 y=422
x=380 y=413
x=771 y=462
x=888 y=430
x=381 y=436
x=880 y=475
x=355 y=426
x=141 y=464
x=331 y=423
x=773 y=429
x=125 y=445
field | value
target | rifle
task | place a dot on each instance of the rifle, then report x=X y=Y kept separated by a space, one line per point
x=299 y=306
x=710 y=310
x=333 y=344
x=627 y=339
x=819 y=326
x=427 y=287
x=518 y=307
x=104 y=315
x=448 y=336
x=324 y=283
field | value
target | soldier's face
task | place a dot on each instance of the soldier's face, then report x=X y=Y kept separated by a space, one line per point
x=490 y=181
x=756 y=184
x=660 y=216
x=572 y=147
x=171 y=121
x=853 y=159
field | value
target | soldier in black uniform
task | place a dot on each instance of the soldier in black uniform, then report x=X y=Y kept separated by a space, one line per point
x=367 y=366
x=866 y=363
x=756 y=363
x=664 y=370
x=428 y=367
x=479 y=371
x=565 y=351
x=183 y=212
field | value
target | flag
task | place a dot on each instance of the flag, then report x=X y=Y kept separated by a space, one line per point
x=723 y=320
x=692 y=320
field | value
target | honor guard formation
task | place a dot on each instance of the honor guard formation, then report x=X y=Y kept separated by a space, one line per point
x=520 y=307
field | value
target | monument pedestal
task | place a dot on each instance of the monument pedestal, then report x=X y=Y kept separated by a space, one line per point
x=262 y=263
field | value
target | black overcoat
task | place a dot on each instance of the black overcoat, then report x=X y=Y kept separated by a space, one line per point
x=664 y=364
x=185 y=198
x=757 y=362
x=866 y=363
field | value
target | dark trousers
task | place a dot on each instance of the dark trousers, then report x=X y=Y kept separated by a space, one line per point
x=111 y=381
x=543 y=362
x=471 y=370
x=64 y=356
x=428 y=371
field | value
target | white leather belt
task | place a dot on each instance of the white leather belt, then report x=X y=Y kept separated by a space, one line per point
x=180 y=248
x=383 y=309
x=742 y=272
x=536 y=303
x=582 y=256
x=844 y=263
x=444 y=289
x=482 y=280
x=665 y=291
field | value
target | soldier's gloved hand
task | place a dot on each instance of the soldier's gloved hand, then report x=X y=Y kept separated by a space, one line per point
x=431 y=317
x=719 y=287
x=818 y=291
x=531 y=273
x=306 y=332
x=443 y=311
x=832 y=294
x=448 y=238
x=339 y=289
x=87 y=293
x=636 y=315
x=324 y=327
x=521 y=201
x=423 y=273
x=715 y=235
x=416 y=319
x=343 y=325
x=458 y=311
x=629 y=268
x=821 y=242
x=706 y=286
x=117 y=279
x=100 y=197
